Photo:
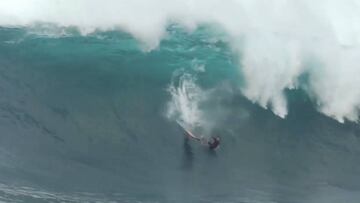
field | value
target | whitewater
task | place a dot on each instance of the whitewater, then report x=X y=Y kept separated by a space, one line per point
x=279 y=39
x=91 y=92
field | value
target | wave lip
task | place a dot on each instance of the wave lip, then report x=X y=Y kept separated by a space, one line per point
x=276 y=42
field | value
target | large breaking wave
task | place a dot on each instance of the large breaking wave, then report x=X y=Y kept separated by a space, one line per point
x=281 y=45
x=87 y=115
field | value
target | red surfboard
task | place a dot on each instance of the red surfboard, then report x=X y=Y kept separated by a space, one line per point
x=188 y=133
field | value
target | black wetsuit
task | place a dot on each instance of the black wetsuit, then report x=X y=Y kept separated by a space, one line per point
x=214 y=143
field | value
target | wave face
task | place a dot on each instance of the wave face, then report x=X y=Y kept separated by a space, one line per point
x=277 y=42
x=87 y=112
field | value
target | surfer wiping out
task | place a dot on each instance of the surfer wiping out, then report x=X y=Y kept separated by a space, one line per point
x=213 y=142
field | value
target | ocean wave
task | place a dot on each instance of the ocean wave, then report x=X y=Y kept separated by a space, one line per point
x=277 y=42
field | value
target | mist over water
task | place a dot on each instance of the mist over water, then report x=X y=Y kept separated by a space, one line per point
x=91 y=92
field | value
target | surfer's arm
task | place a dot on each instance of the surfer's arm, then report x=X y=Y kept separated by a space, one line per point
x=198 y=139
x=203 y=141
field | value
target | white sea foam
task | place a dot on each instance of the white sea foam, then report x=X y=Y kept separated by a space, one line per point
x=186 y=99
x=279 y=40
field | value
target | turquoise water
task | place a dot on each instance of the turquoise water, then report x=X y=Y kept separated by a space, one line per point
x=85 y=119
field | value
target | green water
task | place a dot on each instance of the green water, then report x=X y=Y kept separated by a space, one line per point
x=83 y=118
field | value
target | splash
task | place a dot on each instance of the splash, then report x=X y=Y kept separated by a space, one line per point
x=186 y=99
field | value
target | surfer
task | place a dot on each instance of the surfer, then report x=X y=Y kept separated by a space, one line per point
x=213 y=143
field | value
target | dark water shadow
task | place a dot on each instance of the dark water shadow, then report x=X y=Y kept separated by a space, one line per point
x=188 y=156
x=211 y=153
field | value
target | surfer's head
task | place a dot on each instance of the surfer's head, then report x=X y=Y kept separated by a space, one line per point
x=215 y=139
